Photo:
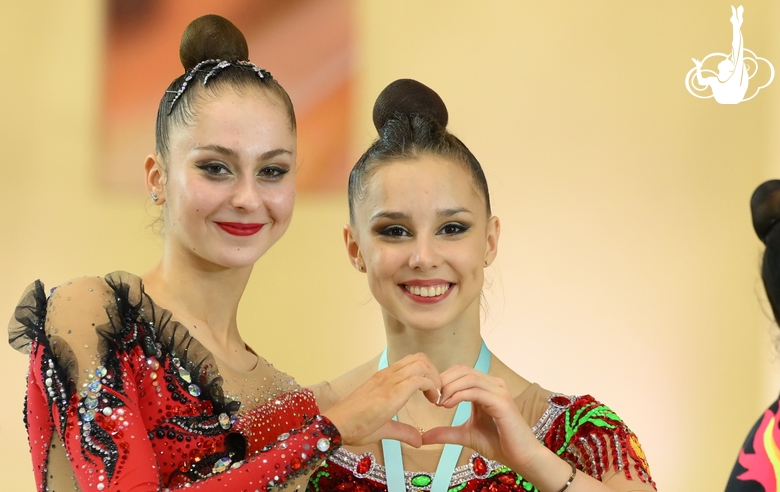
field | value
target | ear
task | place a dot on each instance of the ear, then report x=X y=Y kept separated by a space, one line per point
x=155 y=178
x=353 y=249
x=493 y=231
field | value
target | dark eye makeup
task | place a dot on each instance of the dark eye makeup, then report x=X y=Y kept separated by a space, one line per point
x=453 y=228
x=214 y=168
x=393 y=231
x=273 y=172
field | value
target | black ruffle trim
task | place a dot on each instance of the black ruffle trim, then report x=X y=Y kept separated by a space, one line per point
x=134 y=320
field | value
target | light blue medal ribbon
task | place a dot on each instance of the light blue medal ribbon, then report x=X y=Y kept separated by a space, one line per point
x=394 y=462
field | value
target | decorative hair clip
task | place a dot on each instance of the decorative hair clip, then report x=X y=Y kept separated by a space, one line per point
x=218 y=67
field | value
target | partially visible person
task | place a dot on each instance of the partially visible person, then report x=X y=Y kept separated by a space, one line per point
x=758 y=465
x=145 y=383
x=422 y=230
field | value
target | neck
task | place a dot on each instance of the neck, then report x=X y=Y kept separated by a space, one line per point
x=455 y=344
x=202 y=296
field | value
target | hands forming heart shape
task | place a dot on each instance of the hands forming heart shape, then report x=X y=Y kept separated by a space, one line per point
x=495 y=428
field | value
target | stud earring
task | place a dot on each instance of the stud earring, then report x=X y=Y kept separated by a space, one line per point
x=360 y=268
x=486 y=263
x=154 y=196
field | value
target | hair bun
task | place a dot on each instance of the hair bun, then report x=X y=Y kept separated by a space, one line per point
x=765 y=208
x=407 y=96
x=211 y=37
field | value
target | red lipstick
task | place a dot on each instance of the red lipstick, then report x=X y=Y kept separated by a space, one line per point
x=240 y=228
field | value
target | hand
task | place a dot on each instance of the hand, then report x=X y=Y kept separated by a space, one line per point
x=365 y=415
x=697 y=62
x=495 y=429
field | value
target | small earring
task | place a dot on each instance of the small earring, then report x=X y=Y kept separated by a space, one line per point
x=360 y=268
x=486 y=263
x=154 y=196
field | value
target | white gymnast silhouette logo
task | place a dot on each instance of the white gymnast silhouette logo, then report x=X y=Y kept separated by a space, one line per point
x=729 y=84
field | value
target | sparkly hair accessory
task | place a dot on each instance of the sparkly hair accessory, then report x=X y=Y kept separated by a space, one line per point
x=218 y=67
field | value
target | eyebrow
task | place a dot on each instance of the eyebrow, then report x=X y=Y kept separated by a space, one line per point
x=232 y=153
x=218 y=149
x=447 y=212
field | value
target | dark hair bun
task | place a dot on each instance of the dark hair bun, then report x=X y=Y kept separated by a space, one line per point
x=211 y=37
x=407 y=96
x=765 y=207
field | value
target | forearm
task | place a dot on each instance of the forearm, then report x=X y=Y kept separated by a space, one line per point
x=549 y=473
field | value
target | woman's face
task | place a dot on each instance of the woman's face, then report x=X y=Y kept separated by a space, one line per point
x=423 y=237
x=228 y=184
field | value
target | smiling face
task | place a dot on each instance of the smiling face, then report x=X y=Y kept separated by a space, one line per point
x=228 y=184
x=423 y=236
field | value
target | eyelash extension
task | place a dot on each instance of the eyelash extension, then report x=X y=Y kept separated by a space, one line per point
x=385 y=231
x=278 y=172
x=461 y=228
x=210 y=167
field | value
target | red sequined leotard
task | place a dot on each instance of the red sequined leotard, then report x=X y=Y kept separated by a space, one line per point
x=577 y=428
x=120 y=397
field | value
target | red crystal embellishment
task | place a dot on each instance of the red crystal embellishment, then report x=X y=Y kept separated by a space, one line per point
x=506 y=479
x=561 y=401
x=479 y=466
x=364 y=464
x=296 y=463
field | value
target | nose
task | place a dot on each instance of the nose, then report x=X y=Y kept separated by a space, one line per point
x=247 y=195
x=425 y=254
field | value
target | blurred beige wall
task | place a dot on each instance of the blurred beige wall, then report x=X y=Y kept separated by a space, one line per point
x=628 y=267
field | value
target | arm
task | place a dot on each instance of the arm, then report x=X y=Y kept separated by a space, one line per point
x=498 y=431
x=365 y=415
x=90 y=391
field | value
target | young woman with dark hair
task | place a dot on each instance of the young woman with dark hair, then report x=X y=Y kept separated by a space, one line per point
x=758 y=463
x=422 y=231
x=145 y=383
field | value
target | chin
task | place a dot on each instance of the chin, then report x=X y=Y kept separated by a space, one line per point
x=425 y=323
x=243 y=259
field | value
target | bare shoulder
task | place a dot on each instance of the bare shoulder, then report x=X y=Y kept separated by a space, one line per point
x=515 y=382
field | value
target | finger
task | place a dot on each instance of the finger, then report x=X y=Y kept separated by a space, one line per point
x=433 y=395
x=474 y=379
x=385 y=400
x=493 y=405
x=415 y=366
x=424 y=384
x=445 y=435
x=400 y=432
x=418 y=363
x=452 y=374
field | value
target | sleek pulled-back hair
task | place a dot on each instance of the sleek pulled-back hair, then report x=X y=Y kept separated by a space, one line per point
x=412 y=121
x=765 y=209
x=211 y=37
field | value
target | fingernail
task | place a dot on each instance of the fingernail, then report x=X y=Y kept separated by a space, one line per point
x=438 y=400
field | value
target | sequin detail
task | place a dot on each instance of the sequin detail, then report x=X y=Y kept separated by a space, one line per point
x=577 y=428
x=136 y=409
x=365 y=466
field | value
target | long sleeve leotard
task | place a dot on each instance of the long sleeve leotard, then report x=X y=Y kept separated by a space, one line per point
x=121 y=397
